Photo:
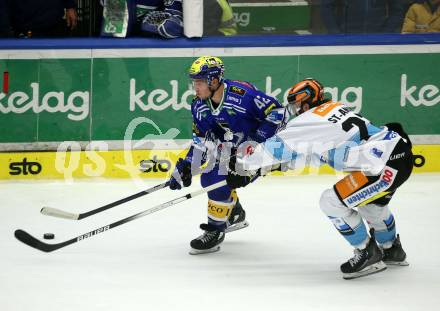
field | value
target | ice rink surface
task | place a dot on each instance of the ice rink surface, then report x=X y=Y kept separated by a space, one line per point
x=287 y=259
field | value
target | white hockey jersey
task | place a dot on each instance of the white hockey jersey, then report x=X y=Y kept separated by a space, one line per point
x=330 y=133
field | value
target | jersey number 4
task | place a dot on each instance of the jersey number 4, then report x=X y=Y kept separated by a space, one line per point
x=261 y=103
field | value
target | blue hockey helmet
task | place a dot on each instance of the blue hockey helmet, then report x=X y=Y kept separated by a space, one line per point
x=207 y=68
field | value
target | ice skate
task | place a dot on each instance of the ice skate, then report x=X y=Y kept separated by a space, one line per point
x=237 y=220
x=395 y=255
x=365 y=261
x=208 y=242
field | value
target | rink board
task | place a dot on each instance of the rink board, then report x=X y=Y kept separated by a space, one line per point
x=57 y=95
x=141 y=164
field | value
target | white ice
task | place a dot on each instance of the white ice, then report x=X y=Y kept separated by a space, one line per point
x=287 y=259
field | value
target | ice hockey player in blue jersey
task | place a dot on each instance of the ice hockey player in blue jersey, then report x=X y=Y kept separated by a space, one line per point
x=379 y=160
x=229 y=113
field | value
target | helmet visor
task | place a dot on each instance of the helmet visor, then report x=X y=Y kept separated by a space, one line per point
x=298 y=97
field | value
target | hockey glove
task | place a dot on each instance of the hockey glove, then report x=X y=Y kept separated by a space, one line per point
x=163 y=23
x=182 y=172
x=238 y=179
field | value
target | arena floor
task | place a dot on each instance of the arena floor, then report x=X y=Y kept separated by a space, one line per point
x=287 y=259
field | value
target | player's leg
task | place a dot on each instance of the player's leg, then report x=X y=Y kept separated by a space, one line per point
x=382 y=220
x=349 y=223
x=225 y=214
x=237 y=218
x=346 y=220
x=377 y=212
x=224 y=208
x=358 y=190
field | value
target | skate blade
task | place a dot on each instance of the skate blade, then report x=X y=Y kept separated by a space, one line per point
x=237 y=226
x=374 y=268
x=397 y=263
x=194 y=251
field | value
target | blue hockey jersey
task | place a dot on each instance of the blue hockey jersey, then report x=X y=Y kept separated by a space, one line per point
x=244 y=113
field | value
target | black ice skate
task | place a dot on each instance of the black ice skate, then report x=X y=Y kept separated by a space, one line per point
x=395 y=255
x=365 y=261
x=208 y=242
x=237 y=220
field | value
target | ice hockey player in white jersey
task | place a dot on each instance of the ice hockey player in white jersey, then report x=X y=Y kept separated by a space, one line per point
x=379 y=160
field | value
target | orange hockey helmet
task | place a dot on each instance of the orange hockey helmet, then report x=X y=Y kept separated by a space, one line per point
x=308 y=91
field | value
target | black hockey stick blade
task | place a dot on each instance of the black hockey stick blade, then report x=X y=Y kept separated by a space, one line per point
x=28 y=239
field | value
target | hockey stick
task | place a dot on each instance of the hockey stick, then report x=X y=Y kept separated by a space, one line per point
x=31 y=241
x=55 y=212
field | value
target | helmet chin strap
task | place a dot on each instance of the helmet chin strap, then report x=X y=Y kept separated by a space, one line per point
x=213 y=91
x=293 y=110
x=301 y=110
x=296 y=111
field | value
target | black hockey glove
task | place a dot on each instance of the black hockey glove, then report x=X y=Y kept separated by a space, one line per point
x=236 y=179
x=182 y=170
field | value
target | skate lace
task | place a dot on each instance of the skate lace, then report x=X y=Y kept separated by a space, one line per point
x=357 y=257
x=207 y=236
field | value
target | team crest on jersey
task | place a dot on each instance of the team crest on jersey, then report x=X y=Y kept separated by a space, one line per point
x=237 y=90
x=231 y=112
x=390 y=135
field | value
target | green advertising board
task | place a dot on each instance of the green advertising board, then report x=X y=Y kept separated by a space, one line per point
x=281 y=16
x=65 y=95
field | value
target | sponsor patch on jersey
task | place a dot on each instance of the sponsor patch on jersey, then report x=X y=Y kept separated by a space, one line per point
x=324 y=109
x=350 y=184
x=377 y=152
x=233 y=99
x=397 y=156
x=373 y=190
x=237 y=90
